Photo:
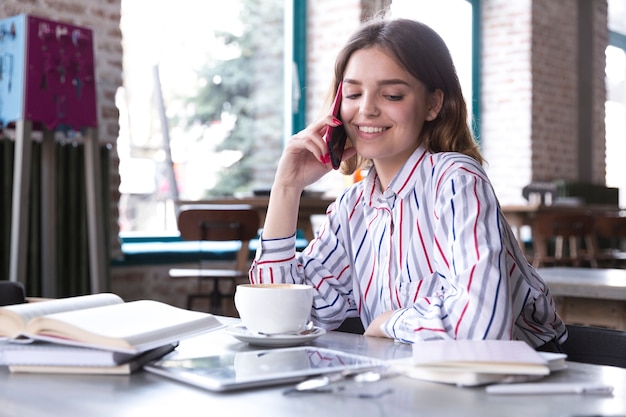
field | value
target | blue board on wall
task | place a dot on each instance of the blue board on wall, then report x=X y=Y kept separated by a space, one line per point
x=12 y=61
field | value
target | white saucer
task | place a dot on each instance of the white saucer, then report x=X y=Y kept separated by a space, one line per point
x=241 y=333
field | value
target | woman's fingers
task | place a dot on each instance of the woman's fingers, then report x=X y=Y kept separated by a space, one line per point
x=311 y=142
x=315 y=134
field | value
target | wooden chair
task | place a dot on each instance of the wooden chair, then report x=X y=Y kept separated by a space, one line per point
x=611 y=232
x=596 y=345
x=217 y=223
x=564 y=239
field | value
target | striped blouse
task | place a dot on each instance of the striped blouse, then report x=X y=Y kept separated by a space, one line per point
x=434 y=247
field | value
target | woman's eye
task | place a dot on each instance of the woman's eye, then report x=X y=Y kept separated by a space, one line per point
x=392 y=97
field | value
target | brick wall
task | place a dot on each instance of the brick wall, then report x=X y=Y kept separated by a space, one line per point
x=599 y=93
x=506 y=95
x=554 y=113
x=531 y=101
x=153 y=282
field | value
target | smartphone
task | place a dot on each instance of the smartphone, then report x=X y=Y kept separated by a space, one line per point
x=336 y=136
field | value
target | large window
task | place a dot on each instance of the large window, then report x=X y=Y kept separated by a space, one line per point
x=616 y=99
x=198 y=77
x=191 y=73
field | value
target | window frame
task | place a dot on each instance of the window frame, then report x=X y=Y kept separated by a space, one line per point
x=298 y=47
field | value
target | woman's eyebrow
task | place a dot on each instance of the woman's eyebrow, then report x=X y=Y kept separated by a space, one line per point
x=392 y=81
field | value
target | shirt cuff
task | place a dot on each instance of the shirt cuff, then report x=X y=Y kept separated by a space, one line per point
x=388 y=327
x=276 y=249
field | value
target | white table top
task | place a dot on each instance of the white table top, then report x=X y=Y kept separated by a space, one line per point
x=144 y=394
x=603 y=283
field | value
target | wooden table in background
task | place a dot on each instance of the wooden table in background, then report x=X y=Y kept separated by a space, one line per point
x=309 y=206
x=522 y=215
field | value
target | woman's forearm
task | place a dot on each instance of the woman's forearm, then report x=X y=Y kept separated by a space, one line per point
x=282 y=212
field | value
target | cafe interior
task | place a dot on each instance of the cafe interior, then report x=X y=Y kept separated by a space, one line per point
x=97 y=176
x=544 y=81
x=556 y=166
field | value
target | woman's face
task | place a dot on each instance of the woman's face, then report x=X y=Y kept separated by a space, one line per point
x=384 y=108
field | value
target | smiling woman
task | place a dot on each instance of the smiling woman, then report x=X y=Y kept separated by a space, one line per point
x=418 y=249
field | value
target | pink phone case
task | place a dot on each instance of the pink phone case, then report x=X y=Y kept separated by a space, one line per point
x=336 y=136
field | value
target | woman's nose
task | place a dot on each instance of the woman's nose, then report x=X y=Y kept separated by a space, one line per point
x=368 y=106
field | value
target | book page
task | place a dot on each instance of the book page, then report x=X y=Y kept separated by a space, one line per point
x=129 y=327
x=13 y=318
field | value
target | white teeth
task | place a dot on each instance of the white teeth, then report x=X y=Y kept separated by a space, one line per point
x=369 y=129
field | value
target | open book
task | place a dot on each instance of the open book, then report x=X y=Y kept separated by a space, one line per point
x=104 y=321
x=474 y=362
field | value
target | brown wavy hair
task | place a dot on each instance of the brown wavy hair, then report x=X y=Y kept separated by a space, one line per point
x=422 y=52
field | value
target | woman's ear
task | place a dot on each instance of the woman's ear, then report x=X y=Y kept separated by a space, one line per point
x=435 y=102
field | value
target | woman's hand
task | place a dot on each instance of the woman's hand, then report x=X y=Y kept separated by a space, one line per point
x=374 y=328
x=305 y=158
x=304 y=161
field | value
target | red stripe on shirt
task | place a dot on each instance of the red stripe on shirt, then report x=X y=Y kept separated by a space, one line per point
x=421 y=237
x=417 y=292
x=370 y=280
x=409 y=178
x=443 y=255
x=419 y=329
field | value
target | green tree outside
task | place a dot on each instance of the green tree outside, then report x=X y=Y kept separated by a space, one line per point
x=246 y=87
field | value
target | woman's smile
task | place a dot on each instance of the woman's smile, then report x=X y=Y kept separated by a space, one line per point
x=371 y=129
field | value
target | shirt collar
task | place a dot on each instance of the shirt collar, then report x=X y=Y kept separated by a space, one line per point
x=402 y=183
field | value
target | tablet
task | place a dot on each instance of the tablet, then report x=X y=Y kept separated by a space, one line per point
x=239 y=370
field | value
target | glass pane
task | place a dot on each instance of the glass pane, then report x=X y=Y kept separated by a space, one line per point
x=615 y=105
x=615 y=108
x=617 y=15
x=193 y=77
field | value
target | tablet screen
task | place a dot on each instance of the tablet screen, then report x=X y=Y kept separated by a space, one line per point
x=237 y=370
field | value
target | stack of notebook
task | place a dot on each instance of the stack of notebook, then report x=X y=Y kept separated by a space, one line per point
x=45 y=357
x=97 y=333
x=478 y=362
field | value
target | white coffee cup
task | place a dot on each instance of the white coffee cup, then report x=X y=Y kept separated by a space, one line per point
x=274 y=308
